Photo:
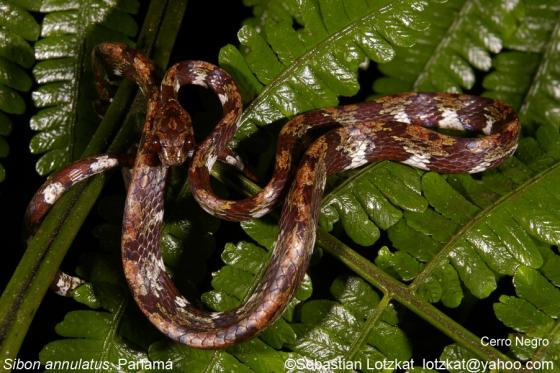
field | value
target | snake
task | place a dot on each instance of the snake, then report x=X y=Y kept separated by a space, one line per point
x=412 y=128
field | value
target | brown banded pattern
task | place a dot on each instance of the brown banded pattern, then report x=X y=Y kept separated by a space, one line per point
x=400 y=127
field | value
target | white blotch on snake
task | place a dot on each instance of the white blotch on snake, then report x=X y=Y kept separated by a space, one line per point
x=417 y=159
x=102 y=164
x=487 y=130
x=157 y=218
x=210 y=161
x=181 y=302
x=356 y=148
x=52 y=192
x=402 y=117
x=215 y=315
x=450 y=120
x=490 y=158
x=199 y=78
x=151 y=272
x=483 y=166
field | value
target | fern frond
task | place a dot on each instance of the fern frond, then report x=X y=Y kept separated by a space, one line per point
x=461 y=39
x=357 y=326
x=512 y=76
x=533 y=313
x=192 y=360
x=480 y=240
x=533 y=318
x=17 y=28
x=534 y=26
x=109 y=336
x=65 y=95
x=371 y=199
x=541 y=102
x=296 y=70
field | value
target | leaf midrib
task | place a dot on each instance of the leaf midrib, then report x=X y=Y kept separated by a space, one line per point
x=349 y=180
x=541 y=352
x=442 y=256
x=110 y=339
x=304 y=59
x=541 y=71
x=460 y=17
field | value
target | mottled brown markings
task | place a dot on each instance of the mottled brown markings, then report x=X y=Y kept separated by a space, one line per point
x=362 y=133
x=380 y=140
x=66 y=178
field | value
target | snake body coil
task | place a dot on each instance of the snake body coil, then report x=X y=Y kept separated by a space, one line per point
x=389 y=128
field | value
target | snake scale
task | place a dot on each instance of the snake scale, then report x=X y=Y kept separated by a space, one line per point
x=398 y=127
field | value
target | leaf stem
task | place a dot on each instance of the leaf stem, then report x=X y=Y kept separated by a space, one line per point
x=46 y=249
x=368 y=326
x=402 y=294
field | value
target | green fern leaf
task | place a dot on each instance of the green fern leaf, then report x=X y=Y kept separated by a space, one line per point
x=191 y=360
x=17 y=28
x=511 y=76
x=110 y=337
x=534 y=25
x=330 y=329
x=69 y=31
x=463 y=35
x=373 y=199
x=529 y=89
x=517 y=71
x=310 y=67
x=455 y=353
x=533 y=314
x=540 y=106
x=537 y=344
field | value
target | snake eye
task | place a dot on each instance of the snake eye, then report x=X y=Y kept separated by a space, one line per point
x=155 y=145
x=188 y=146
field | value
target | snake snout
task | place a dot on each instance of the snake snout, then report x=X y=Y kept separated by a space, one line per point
x=175 y=151
x=175 y=135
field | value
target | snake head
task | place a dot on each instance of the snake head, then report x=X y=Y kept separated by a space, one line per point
x=175 y=134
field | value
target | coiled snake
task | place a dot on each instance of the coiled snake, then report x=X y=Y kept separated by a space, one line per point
x=389 y=128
